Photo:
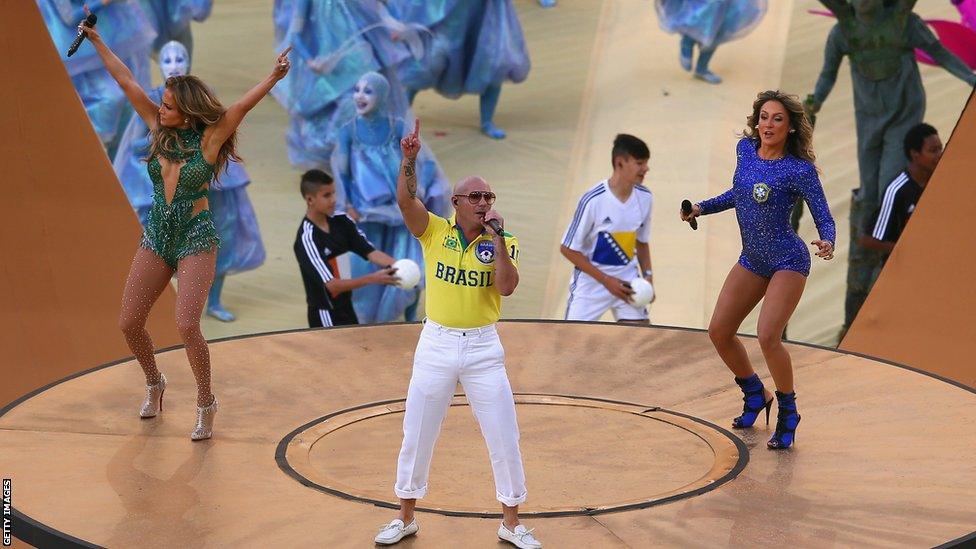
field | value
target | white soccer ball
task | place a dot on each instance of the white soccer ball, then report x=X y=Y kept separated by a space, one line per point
x=408 y=272
x=643 y=292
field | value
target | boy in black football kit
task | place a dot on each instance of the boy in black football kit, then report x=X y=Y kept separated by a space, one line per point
x=923 y=149
x=322 y=236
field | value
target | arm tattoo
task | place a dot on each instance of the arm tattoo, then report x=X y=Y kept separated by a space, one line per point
x=409 y=170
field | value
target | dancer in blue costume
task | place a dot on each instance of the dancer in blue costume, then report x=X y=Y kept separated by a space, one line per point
x=707 y=24
x=366 y=163
x=476 y=46
x=774 y=168
x=127 y=31
x=241 y=248
x=335 y=42
x=171 y=19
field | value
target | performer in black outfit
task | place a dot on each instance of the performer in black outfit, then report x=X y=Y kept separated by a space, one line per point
x=323 y=236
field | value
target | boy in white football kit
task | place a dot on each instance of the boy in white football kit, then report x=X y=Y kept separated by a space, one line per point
x=607 y=240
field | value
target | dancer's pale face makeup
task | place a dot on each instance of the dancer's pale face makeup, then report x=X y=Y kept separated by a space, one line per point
x=173 y=62
x=365 y=97
x=774 y=124
x=169 y=114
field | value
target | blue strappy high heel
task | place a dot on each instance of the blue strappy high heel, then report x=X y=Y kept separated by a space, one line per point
x=786 y=422
x=753 y=400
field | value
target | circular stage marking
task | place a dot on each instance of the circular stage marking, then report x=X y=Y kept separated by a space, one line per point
x=630 y=456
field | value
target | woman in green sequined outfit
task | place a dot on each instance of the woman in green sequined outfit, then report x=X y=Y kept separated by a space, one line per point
x=192 y=138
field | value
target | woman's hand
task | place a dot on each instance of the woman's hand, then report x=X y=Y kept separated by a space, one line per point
x=826 y=249
x=90 y=33
x=282 y=64
x=695 y=212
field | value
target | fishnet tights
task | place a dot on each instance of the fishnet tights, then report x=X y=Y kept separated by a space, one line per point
x=147 y=278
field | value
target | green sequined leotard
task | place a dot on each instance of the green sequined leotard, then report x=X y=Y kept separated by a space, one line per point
x=172 y=231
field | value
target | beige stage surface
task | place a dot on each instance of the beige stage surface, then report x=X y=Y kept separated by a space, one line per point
x=599 y=67
x=623 y=437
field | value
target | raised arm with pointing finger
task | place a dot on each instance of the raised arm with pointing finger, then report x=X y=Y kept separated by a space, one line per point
x=414 y=211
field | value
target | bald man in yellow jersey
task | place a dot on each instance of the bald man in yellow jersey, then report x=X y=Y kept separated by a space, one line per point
x=469 y=267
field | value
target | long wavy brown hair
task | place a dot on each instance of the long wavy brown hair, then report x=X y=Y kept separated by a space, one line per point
x=199 y=104
x=799 y=143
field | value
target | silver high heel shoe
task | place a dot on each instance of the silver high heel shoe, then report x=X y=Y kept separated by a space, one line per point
x=154 y=399
x=205 y=421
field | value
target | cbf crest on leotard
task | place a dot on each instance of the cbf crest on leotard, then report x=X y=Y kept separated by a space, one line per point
x=760 y=192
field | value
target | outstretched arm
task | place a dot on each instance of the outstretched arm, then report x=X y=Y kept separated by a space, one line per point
x=385 y=276
x=833 y=55
x=382 y=259
x=144 y=106
x=717 y=204
x=813 y=194
x=234 y=115
x=414 y=212
x=922 y=37
x=948 y=60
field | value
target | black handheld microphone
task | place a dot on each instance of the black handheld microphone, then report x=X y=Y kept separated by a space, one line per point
x=686 y=209
x=495 y=226
x=88 y=22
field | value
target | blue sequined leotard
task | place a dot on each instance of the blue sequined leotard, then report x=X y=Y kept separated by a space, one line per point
x=763 y=193
x=172 y=230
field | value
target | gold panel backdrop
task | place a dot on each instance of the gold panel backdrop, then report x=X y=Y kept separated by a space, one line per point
x=920 y=312
x=67 y=232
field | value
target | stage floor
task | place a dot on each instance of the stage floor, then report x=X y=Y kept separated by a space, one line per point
x=624 y=439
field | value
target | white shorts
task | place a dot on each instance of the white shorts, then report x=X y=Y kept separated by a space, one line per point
x=588 y=300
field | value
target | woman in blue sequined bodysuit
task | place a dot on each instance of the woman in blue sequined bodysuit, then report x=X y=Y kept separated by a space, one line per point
x=775 y=167
x=192 y=138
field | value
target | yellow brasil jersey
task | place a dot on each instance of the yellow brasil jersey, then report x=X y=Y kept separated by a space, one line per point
x=460 y=275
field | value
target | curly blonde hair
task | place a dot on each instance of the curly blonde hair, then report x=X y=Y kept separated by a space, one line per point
x=199 y=104
x=799 y=143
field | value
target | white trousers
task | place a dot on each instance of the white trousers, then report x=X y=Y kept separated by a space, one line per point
x=474 y=357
